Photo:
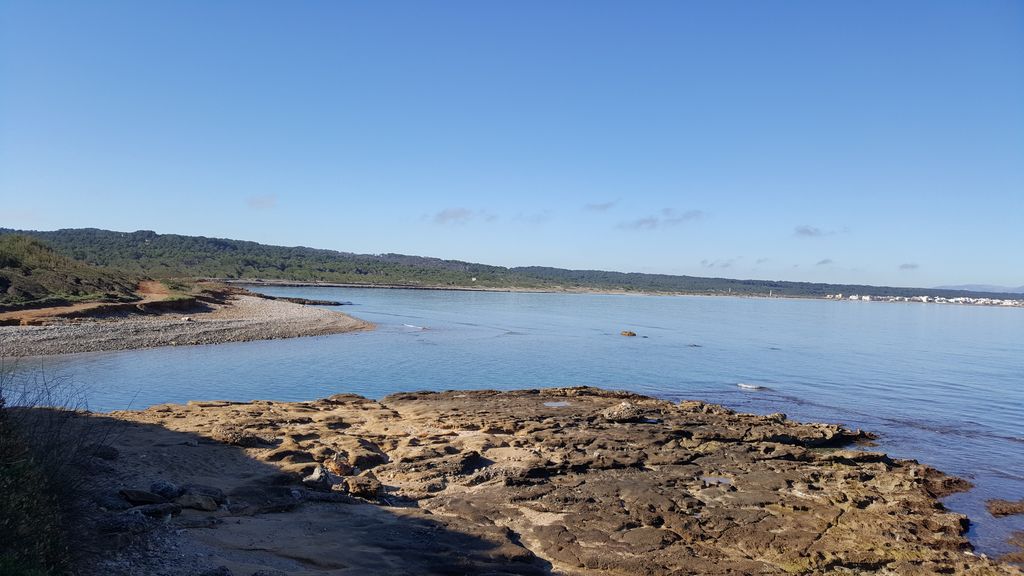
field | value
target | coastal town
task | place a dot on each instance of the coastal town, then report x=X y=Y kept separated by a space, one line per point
x=931 y=300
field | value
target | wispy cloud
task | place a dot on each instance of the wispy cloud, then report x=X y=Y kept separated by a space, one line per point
x=261 y=201
x=825 y=262
x=909 y=266
x=808 y=231
x=666 y=217
x=761 y=261
x=454 y=216
x=600 y=206
x=719 y=263
x=535 y=218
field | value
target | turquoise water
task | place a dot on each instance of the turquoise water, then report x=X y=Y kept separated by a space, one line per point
x=941 y=384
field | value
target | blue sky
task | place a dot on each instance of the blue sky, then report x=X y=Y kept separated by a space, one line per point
x=870 y=141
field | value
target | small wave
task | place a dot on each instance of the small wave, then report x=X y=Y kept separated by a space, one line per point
x=413 y=326
x=746 y=386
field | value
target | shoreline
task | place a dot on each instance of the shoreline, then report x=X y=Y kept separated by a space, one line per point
x=597 y=291
x=577 y=481
x=239 y=318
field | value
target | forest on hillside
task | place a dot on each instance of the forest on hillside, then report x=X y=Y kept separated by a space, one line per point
x=146 y=253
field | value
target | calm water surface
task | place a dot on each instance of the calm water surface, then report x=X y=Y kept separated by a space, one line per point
x=941 y=384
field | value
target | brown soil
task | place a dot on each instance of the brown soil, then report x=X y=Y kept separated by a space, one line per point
x=148 y=291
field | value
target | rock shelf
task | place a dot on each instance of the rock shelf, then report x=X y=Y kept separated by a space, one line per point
x=575 y=481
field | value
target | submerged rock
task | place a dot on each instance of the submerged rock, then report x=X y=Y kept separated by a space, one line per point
x=1005 y=507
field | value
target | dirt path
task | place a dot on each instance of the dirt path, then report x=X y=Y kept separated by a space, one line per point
x=148 y=291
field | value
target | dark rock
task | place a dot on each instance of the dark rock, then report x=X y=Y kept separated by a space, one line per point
x=255 y=499
x=197 y=502
x=168 y=490
x=131 y=522
x=158 y=510
x=215 y=493
x=108 y=501
x=999 y=508
x=102 y=451
x=138 y=497
x=218 y=571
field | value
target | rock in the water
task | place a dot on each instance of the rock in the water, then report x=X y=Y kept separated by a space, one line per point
x=998 y=507
x=627 y=333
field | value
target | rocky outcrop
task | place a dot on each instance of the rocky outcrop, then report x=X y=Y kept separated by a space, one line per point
x=586 y=481
x=1005 y=507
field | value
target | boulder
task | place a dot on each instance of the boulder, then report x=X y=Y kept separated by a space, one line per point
x=215 y=493
x=321 y=479
x=197 y=502
x=158 y=510
x=623 y=412
x=168 y=490
x=627 y=333
x=363 y=486
x=138 y=497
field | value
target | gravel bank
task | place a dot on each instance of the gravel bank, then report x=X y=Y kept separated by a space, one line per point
x=244 y=318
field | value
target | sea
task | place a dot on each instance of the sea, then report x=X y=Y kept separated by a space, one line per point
x=941 y=384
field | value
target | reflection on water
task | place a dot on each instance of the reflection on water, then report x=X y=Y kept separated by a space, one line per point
x=941 y=384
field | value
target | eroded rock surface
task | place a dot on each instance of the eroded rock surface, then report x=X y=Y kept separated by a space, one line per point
x=568 y=481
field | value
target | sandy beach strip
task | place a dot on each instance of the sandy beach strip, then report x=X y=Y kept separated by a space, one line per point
x=242 y=318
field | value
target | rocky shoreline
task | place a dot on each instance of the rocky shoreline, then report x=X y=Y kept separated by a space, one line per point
x=233 y=318
x=574 y=481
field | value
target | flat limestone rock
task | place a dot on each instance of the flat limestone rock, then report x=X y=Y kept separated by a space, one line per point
x=575 y=481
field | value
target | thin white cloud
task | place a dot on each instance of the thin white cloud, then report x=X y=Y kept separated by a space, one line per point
x=665 y=218
x=453 y=216
x=728 y=263
x=262 y=201
x=600 y=206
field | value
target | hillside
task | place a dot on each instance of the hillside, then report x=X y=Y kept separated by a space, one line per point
x=33 y=274
x=171 y=255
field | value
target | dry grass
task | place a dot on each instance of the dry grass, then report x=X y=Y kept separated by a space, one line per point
x=44 y=451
